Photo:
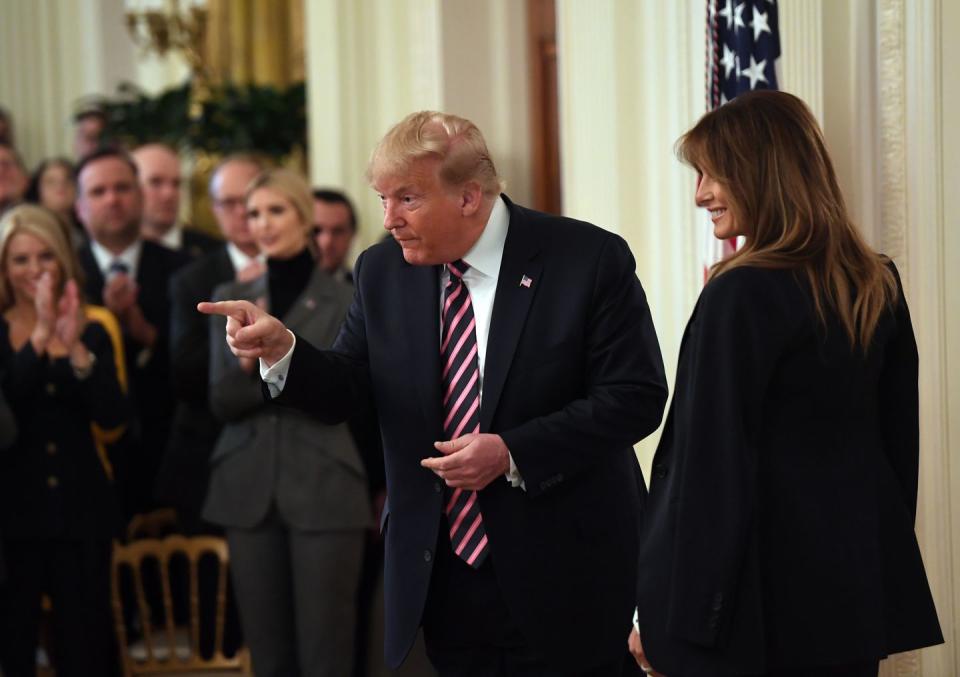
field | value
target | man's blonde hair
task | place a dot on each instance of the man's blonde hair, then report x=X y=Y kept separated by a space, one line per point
x=455 y=141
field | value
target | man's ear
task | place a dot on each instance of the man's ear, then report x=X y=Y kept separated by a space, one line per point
x=471 y=196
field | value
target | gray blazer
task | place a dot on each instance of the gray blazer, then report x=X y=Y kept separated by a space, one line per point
x=268 y=454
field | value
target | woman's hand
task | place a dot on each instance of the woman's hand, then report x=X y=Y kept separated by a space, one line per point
x=46 y=314
x=70 y=321
x=636 y=648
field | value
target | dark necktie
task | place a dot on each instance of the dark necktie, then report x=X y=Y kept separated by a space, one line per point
x=461 y=410
x=118 y=267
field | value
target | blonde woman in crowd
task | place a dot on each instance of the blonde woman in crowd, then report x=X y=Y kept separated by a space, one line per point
x=58 y=508
x=290 y=491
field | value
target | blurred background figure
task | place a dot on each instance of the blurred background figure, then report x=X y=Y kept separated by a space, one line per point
x=185 y=473
x=54 y=186
x=158 y=168
x=6 y=127
x=58 y=507
x=334 y=227
x=290 y=491
x=13 y=177
x=89 y=124
x=130 y=276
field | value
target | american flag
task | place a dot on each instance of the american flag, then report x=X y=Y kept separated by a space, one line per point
x=743 y=49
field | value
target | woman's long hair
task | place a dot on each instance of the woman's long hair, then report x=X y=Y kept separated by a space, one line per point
x=766 y=149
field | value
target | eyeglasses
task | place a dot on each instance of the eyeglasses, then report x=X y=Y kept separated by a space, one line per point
x=230 y=203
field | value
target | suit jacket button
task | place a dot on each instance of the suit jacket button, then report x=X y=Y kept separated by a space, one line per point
x=51 y=389
x=437 y=488
x=51 y=448
x=660 y=471
x=427 y=555
x=53 y=482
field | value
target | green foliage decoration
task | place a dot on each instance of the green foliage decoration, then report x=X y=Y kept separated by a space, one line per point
x=230 y=118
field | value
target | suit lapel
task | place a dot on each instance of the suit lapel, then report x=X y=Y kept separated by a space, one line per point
x=420 y=291
x=95 y=281
x=310 y=314
x=521 y=274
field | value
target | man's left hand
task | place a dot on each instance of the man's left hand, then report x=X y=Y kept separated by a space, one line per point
x=471 y=461
x=636 y=648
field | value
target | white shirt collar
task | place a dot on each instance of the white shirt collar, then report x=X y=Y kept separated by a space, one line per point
x=239 y=259
x=130 y=256
x=485 y=255
x=173 y=238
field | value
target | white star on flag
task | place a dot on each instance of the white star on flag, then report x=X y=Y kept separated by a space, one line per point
x=727 y=13
x=759 y=23
x=755 y=72
x=738 y=16
x=728 y=61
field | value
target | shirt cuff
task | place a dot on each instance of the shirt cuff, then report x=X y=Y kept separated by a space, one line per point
x=275 y=376
x=513 y=475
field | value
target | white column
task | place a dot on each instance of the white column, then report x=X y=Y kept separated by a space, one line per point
x=631 y=82
x=52 y=52
x=369 y=63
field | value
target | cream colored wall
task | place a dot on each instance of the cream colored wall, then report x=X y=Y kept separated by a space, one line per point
x=53 y=52
x=372 y=62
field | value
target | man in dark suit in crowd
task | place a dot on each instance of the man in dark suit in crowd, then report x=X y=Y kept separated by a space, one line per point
x=334 y=227
x=513 y=539
x=185 y=473
x=158 y=168
x=129 y=276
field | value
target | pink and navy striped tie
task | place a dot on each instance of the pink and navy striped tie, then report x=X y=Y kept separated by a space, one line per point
x=461 y=410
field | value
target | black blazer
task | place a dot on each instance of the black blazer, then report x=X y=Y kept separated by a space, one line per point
x=149 y=372
x=53 y=483
x=197 y=244
x=573 y=378
x=184 y=472
x=779 y=527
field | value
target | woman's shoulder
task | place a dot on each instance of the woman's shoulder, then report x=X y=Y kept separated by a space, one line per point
x=753 y=284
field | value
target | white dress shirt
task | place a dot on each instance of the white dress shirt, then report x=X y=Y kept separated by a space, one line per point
x=129 y=256
x=173 y=238
x=481 y=281
x=239 y=259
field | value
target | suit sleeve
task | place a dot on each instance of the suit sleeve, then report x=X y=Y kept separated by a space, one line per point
x=740 y=333
x=900 y=403
x=626 y=389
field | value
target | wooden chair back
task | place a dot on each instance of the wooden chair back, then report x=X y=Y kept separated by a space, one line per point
x=170 y=649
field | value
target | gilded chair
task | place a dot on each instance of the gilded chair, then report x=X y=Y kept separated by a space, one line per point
x=166 y=646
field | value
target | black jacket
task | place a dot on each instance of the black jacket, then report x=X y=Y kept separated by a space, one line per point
x=779 y=527
x=572 y=379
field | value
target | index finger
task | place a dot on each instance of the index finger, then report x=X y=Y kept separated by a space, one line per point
x=235 y=309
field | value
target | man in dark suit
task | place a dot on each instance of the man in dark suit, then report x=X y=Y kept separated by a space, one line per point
x=184 y=473
x=334 y=228
x=158 y=168
x=129 y=276
x=513 y=539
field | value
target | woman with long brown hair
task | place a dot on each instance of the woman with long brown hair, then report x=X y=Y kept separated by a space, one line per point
x=778 y=535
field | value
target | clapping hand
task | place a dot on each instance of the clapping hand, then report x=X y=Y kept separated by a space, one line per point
x=636 y=648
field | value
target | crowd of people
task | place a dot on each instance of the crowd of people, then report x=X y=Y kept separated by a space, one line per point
x=490 y=366
x=117 y=406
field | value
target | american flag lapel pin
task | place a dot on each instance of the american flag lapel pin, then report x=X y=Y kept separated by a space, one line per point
x=310 y=304
x=526 y=281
